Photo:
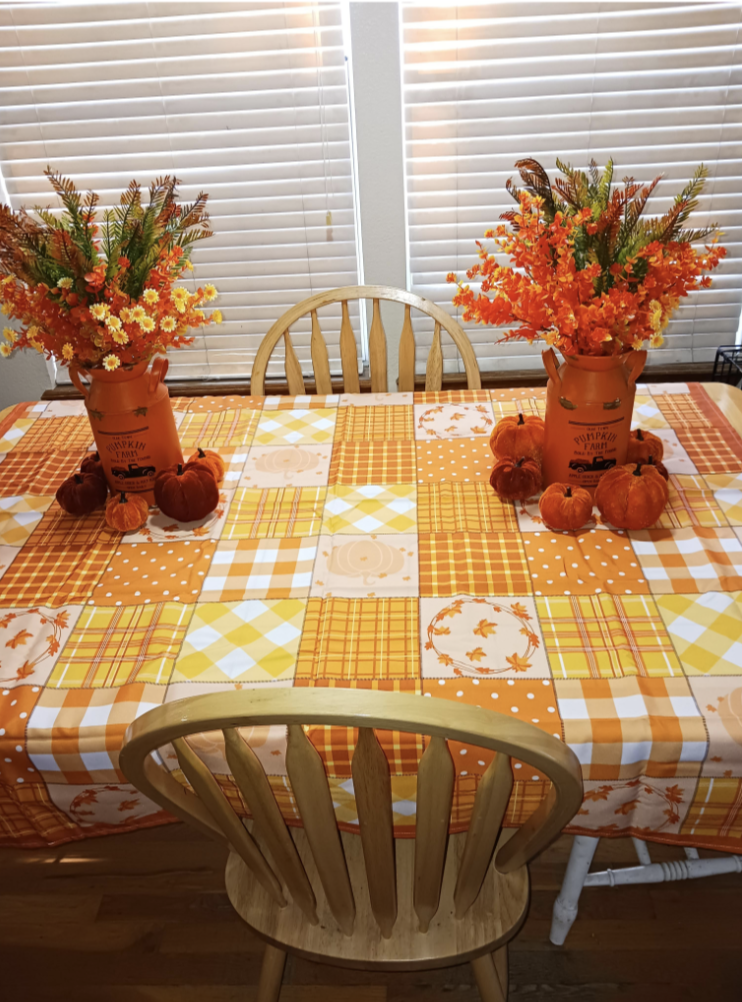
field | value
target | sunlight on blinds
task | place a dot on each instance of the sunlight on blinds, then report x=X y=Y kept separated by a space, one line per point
x=246 y=101
x=658 y=86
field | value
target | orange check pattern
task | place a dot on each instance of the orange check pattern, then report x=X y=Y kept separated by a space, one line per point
x=376 y=560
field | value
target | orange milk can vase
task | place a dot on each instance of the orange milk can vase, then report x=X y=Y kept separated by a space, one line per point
x=133 y=424
x=589 y=403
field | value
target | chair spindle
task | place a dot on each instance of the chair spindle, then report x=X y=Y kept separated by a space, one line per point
x=310 y=787
x=207 y=788
x=293 y=370
x=320 y=361
x=434 y=369
x=377 y=352
x=256 y=790
x=435 y=780
x=348 y=353
x=406 y=382
x=372 y=787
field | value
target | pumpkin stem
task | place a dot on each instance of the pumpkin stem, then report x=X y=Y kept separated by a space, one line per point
x=180 y=469
x=78 y=478
x=638 y=470
x=639 y=435
x=201 y=453
x=123 y=499
x=568 y=492
x=521 y=419
x=96 y=457
x=520 y=461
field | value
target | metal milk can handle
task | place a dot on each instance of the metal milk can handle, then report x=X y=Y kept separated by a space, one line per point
x=550 y=364
x=157 y=372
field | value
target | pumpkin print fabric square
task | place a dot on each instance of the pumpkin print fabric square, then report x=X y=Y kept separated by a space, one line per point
x=367 y=566
x=298 y=426
x=287 y=466
x=706 y=631
x=720 y=701
x=31 y=640
x=275 y=512
x=466 y=460
x=154 y=572
x=450 y=506
x=583 y=563
x=251 y=642
x=19 y=516
x=110 y=647
x=606 y=636
x=366 y=424
x=260 y=568
x=689 y=560
x=472 y=563
x=446 y=421
x=373 y=508
x=360 y=639
x=624 y=728
x=481 y=638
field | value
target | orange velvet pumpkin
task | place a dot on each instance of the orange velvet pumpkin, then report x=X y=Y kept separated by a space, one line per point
x=92 y=464
x=642 y=445
x=516 y=479
x=514 y=437
x=213 y=459
x=127 y=512
x=563 y=506
x=82 y=493
x=186 y=493
x=631 y=496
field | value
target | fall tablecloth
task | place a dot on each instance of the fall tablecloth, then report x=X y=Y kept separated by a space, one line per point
x=358 y=543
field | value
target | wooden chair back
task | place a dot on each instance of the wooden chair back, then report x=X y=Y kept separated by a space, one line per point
x=376 y=344
x=437 y=719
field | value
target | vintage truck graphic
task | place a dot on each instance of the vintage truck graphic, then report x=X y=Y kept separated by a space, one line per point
x=598 y=465
x=132 y=471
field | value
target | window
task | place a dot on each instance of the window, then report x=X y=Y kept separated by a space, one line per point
x=656 y=85
x=247 y=101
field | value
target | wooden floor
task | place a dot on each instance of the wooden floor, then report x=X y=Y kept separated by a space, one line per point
x=145 y=916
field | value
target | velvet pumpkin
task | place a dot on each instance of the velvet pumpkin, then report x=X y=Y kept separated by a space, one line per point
x=632 y=496
x=92 y=464
x=563 y=506
x=516 y=479
x=82 y=493
x=186 y=493
x=213 y=459
x=660 y=467
x=514 y=437
x=642 y=445
x=127 y=512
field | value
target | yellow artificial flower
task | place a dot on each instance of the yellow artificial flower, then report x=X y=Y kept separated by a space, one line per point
x=64 y=283
x=5 y=308
x=655 y=315
x=188 y=266
x=125 y=315
x=10 y=335
x=68 y=352
x=111 y=362
x=99 y=310
x=656 y=341
x=5 y=350
x=210 y=293
x=120 y=337
x=217 y=317
x=113 y=323
x=181 y=294
x=168 y=324
x=147 y=324
x=137 y=314
x=151 y=296
x=200 y=314
x=637 y=343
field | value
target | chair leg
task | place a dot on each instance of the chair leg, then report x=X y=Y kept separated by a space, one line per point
x=491 y=974
x=271 y=974
x=565 y=906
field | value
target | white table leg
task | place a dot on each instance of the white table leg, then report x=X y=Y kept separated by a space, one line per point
x=565 y=906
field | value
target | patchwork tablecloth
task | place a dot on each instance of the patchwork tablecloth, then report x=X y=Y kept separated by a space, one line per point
x=357 y=543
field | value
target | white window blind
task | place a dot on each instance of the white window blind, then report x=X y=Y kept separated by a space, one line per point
x=246 y=101
x=658 y=86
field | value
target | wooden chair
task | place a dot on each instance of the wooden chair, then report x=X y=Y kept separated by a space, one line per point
x=376 y=344
x=371 y=901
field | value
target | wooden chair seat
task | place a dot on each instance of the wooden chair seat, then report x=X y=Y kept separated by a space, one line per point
x=493 y=919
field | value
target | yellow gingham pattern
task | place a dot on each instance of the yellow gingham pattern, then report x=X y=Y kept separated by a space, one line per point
x=19 y=516
x=370 y=509
x=647 y=413
x=706 y=631
x=299 y=426
x=727 y=489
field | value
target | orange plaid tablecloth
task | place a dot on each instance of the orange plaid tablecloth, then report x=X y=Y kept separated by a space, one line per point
x=357 y=543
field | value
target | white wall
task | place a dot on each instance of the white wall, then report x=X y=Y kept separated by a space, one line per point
x=23 y=377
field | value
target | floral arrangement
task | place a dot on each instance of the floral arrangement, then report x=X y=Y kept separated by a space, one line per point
x=588 y=274
x=102 y=294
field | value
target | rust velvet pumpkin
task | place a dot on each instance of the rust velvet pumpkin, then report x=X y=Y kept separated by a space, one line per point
x=186 y=493
x=632 y=496
x=213 y=459
x=92 y=464
x=82 y=493
x=126 y=512
x=642 y=445
x=516 y=479
x=563 y=506
x=660 y=467
x=514 y=437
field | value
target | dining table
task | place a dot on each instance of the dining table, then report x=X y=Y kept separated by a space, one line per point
x=358 y=543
